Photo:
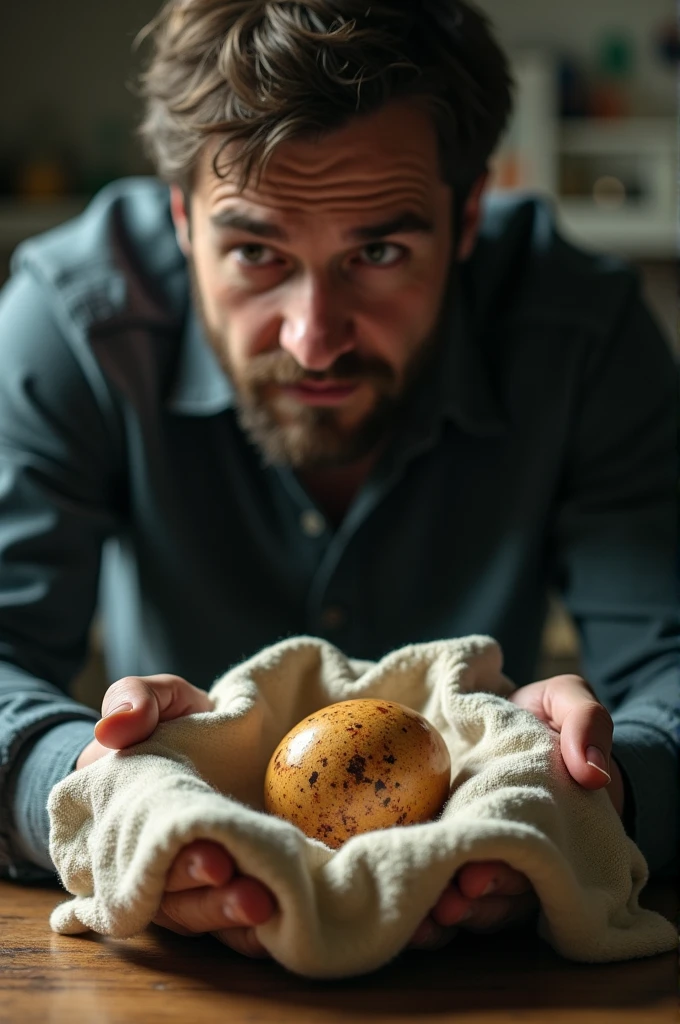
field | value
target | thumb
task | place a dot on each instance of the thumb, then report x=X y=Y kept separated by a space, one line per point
x=133 y=707
x=585 y=728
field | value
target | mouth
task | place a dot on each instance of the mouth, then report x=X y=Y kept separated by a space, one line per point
x=324 y=392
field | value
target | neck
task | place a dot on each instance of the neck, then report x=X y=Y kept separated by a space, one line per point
x=334 y=489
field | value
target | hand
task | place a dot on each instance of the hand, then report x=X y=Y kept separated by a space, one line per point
x=568 y=706
x=204 y=891
x=133 y=707
x=490 y=895
x=484 y=896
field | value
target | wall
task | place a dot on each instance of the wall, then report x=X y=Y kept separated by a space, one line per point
x=64 y=65
x=577 y=26
x=63 y=68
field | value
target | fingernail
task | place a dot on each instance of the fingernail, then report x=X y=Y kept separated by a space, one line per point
x=196 y=870
x=233 y=911
x=596 y=759
x=127 y=706
x=467 y=915
x=491 y=887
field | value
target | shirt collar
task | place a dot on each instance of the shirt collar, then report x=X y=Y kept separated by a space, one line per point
x=201 y=387
x=465 y=388
x=458 y=380
x=458 y=385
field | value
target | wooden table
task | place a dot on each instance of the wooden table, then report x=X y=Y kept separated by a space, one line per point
x=160 y=977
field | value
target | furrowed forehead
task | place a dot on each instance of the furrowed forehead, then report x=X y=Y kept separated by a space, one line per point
x=240 y=217
x=391 y=156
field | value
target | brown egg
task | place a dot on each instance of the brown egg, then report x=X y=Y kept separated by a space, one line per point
x=357 y=766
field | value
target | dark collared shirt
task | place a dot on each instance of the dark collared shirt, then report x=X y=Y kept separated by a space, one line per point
x=539 y=451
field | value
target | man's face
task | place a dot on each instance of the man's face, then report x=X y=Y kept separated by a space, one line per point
x=320 y=289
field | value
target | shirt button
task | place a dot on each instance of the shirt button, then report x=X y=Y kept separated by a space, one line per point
x=312 y=522
x=333 y=617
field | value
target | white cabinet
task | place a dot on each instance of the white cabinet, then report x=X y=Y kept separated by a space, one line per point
x=613 y=180
x=629 y=175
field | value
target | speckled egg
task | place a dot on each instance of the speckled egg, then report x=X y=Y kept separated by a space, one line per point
x=357 y=766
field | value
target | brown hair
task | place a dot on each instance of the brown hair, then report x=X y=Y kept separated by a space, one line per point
x=263 y=71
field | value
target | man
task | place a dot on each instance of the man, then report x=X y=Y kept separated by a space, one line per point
x=324 y=389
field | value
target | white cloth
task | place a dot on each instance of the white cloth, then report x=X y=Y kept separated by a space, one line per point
x=117 y=825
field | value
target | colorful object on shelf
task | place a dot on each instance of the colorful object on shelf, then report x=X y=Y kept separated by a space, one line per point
x=609 y=191
x=667 y=42
x=610 y=93
x=572 y=89
x=42 y=177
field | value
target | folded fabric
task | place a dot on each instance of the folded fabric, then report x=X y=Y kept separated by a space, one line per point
x=117 y=825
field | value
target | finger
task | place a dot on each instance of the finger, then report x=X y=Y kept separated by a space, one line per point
x=452 y=908
x=426 y=930
x=616 y=791
x=568 y=705
x=198 y=864
x=134 y=705
x=430 y=935
x=163 y=921
x=495 y=913
x=585 y=728
x=488 y=913
x=243 y=940
x=242 y=902
x=92 y=752
x=475 y=880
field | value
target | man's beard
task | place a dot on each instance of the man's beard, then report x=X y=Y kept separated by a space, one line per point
x=312 y=437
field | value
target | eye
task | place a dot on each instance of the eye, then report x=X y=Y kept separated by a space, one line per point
x=382 y=254
x=255 y=255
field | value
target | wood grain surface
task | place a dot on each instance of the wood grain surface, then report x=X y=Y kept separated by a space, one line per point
x=159 y=978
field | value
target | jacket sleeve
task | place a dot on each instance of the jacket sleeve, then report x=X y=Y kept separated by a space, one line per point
x=617 y=559
x=58 y=493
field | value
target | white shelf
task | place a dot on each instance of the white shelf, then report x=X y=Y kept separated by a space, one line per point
x=631 y=232
x=644 y=228
x=628 y=135
x=636 y=157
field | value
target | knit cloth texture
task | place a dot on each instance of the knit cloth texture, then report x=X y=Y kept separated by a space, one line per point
x=117 y=825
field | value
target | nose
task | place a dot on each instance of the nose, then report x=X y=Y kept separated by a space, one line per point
x=316 y=328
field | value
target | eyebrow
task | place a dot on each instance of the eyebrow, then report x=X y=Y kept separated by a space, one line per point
x=403 y=224
x=253 y=226
x=408 y=223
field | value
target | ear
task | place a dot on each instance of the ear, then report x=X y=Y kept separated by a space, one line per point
x=180 y=217
x=471 y=218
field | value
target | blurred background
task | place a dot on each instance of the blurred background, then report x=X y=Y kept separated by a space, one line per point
x=595 y=128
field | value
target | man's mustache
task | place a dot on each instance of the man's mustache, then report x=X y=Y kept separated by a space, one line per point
x=281 y=368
